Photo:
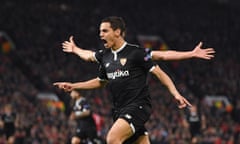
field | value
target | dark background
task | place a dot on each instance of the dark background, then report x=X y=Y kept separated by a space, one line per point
x=38 y=28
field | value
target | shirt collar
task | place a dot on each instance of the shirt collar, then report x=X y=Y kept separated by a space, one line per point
x=122 y=47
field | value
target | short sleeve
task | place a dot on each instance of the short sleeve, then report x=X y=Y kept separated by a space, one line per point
x=144 y=59
x=98 y=56
x=101 y=70
x=102 y=73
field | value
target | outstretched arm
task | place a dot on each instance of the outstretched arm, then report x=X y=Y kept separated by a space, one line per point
x=90 y=84
x=165 y=79
x=71 y=47
x=197 y=52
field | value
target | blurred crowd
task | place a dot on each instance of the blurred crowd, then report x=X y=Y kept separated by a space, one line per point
x=39 y=28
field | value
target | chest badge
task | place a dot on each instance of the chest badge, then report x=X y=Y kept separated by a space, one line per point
x=123 y=61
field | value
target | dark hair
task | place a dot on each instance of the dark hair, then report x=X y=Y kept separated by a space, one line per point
x=116 y=23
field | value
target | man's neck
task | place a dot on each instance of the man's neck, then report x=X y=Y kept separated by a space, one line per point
x=118 y=44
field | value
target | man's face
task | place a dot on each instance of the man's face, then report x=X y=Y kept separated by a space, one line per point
x=108 y=35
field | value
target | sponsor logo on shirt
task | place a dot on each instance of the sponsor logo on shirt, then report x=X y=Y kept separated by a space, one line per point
x=117 y=74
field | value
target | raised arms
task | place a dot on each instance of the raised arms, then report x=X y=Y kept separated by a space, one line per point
x=197 y=52
x=71 y=47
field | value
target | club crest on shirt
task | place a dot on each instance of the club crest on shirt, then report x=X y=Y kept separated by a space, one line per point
x=123 y=61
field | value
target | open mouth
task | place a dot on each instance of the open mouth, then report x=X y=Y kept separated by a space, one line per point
x=104 y=41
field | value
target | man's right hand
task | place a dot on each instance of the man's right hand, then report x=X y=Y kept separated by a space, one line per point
x=69 y=46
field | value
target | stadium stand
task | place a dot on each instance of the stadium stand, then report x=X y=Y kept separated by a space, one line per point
x=39 y=28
